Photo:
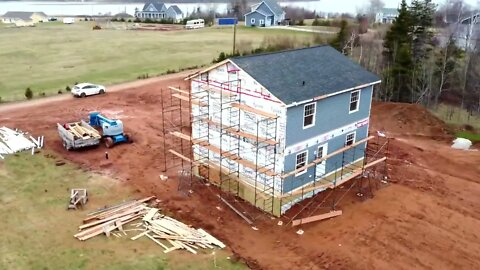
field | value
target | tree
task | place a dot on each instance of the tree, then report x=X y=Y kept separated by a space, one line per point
x=342 y=37
x=398 y=55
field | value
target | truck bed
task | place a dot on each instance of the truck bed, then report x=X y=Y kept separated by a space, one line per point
x=77 y=135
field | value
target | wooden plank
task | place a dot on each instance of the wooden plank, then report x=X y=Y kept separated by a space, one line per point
x=316 y=218
x=123 y=207
x=247 y=108
x=140 y=235
x=236 y=158
x=193 y=101
x=331 y=184
x=179 y=90
x=156 y=241
x=130 y=211
x=181 y=156
x=236 y=211
x=212 y=239
x=241 y=133
x=319 y=160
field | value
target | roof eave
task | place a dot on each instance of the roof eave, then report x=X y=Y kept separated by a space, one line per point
x=333 y=94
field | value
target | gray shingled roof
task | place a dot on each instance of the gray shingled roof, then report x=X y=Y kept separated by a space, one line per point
x=18 y=15
x=323 y=69
x=159 y=6
x=274 y=6
x=176 y=9
x=390 y=11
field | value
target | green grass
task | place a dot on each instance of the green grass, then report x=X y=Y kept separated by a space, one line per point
x=37 y=230
x=456 y=116
x=51 y=56
x=475 y=138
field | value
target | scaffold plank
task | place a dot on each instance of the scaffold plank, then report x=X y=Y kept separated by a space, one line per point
x=319 y=160
x=188 y=99
x=247 y=108
x=179 y=90
x=241 y=133
x=332 y=185
x=181 y=156
x=316 y=218
x=236 y=158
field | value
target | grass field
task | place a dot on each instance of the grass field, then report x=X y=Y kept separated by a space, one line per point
x=51 y=56
x=37 y=230
x=456 y=116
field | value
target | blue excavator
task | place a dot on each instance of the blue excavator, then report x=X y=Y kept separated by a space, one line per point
x=112 y=129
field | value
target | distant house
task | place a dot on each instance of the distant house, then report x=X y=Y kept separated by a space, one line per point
x=174 y=13
x=21 y=18
x=123 y=15
x=386 y=15
x=159 y=11
x=264 y=14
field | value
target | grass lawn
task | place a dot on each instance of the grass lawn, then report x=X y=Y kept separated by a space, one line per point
x=51 y=56
x=457 y=117
x=37 y=230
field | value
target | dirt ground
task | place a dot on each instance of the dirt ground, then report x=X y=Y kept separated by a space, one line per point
x=426 y=218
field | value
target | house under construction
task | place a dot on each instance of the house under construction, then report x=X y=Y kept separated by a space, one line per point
x=277 y=128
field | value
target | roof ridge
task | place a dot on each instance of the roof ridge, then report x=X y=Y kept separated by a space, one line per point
x=281 y=51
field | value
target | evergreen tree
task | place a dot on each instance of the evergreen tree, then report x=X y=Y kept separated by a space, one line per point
x=398 y=54
x=342 y=37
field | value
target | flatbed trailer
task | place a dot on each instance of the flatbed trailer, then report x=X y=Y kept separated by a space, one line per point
x=77 y=135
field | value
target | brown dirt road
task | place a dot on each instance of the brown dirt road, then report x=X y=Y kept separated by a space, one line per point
x=428 y=218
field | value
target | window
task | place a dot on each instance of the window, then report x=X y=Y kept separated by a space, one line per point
x=262 y=23
x=252 y=21
x=350 y=139
x=301 y=161
x=309 y=115
x=354 y=101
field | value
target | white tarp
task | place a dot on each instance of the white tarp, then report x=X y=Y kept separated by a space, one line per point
x=461 y=143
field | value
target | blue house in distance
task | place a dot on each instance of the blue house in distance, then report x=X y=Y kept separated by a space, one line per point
x=282 y=126
x=264 y=14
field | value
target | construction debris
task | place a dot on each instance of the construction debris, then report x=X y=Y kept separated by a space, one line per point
x=78 y=197
x=165 y=231
x=14 y=141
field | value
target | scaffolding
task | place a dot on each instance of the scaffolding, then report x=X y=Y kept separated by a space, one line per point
x=215 y=136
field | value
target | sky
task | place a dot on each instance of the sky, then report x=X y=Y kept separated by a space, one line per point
x=351 y=5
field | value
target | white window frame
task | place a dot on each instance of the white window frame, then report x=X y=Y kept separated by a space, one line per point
x=314 y=114
x=252 y=20
x=306 y=162
x=354 y=137
x=358 y=101
x=261 y=22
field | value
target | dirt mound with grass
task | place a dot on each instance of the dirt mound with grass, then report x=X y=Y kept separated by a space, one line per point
x=406 y=119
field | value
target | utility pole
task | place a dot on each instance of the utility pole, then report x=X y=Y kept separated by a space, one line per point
x=234 y=33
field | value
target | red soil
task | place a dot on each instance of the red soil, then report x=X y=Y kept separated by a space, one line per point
x=427 y=218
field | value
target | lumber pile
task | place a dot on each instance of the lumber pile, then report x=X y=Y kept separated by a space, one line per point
x=164 y=231
x=14 y=141
x=80 y=131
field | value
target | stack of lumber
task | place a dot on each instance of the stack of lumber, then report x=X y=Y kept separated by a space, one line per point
x=80 y=131
x=165 y=231
x=14 y=141
x=175 y=234
x=109 y=219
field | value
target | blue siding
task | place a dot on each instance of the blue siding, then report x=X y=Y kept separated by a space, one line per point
x=257 y=16
x=331 y=113
x=332 y=163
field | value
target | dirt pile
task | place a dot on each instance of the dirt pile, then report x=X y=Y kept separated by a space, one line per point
x=406 y=119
